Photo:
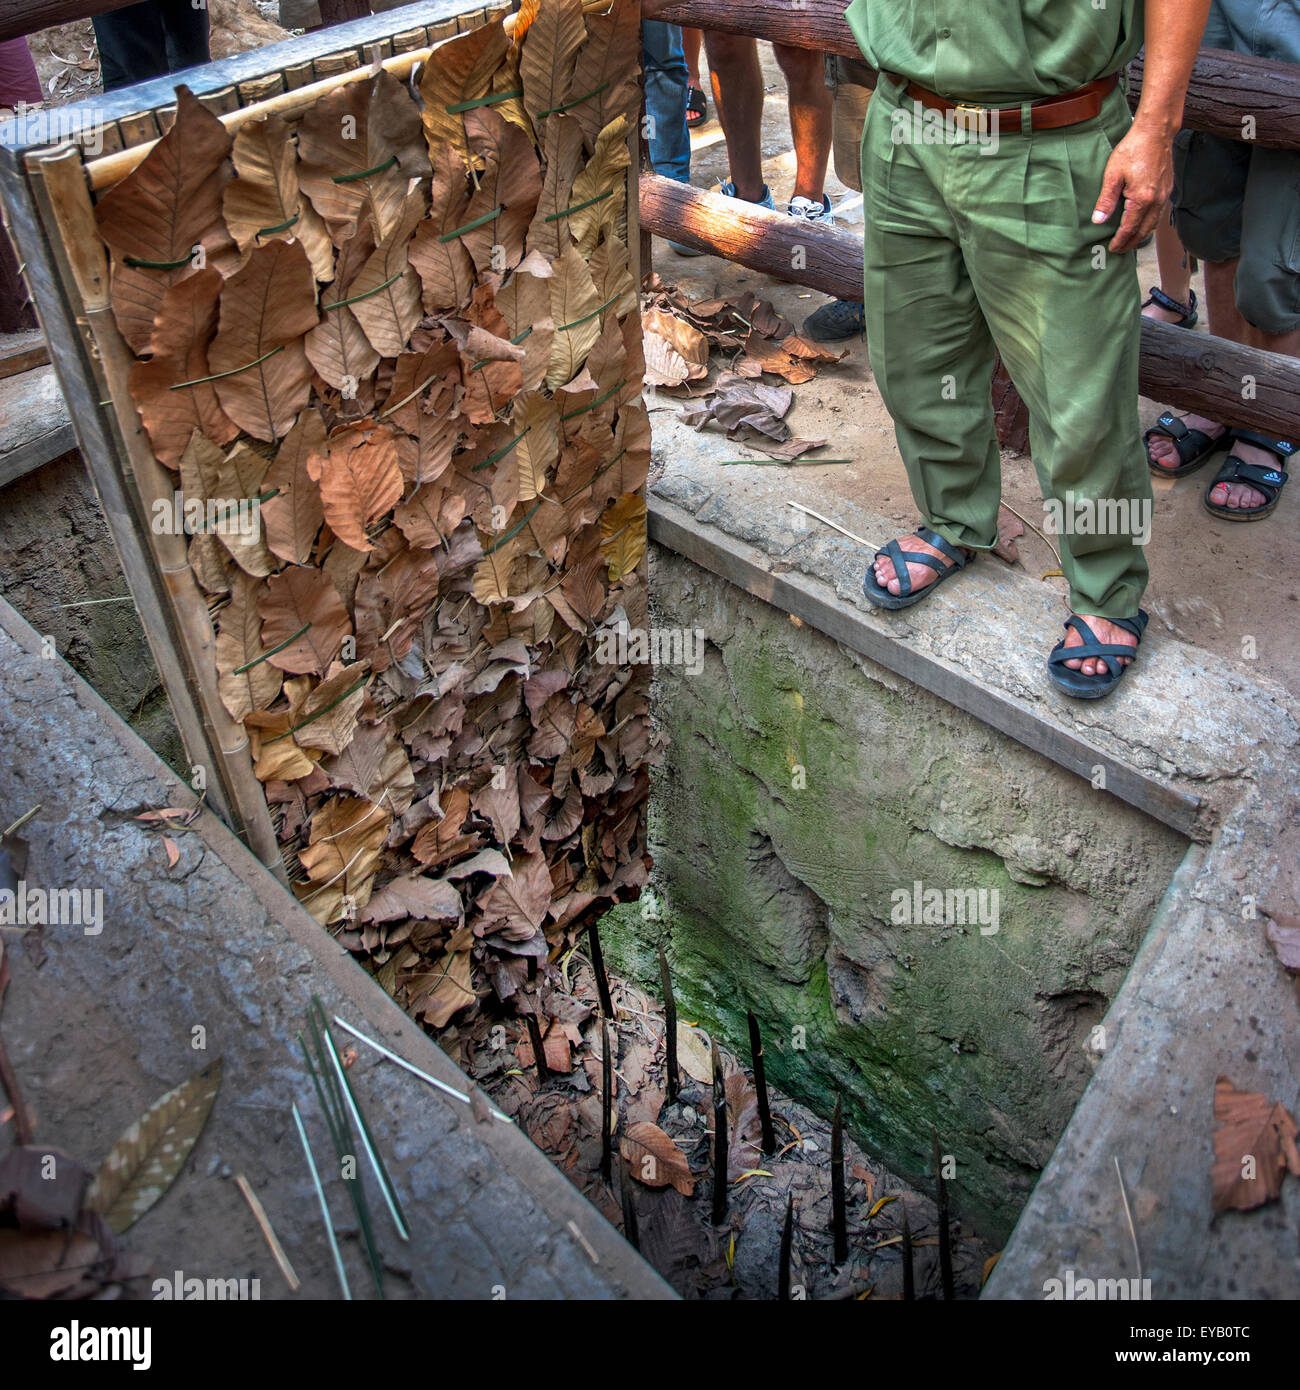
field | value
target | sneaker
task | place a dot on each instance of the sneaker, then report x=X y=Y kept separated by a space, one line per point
x=835 y=321
x=808 y=211
x=728 y=190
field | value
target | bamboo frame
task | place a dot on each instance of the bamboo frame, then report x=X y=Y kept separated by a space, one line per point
x=173 y=609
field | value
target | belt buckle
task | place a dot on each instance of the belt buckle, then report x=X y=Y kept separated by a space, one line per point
x=972 y=119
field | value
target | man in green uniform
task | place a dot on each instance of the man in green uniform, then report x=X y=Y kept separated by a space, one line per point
x=1005 y=187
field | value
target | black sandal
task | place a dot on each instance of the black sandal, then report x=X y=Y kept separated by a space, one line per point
x=696 y=107
x=1167 y=301
x=905 y=597
x=1193 y=447
x=1269 y=481
x=1075 y=683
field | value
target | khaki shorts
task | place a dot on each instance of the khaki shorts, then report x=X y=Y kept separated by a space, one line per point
x=1237 y=201
x=846 y=138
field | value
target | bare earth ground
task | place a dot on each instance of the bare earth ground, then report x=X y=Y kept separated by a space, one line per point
x=1213 y=583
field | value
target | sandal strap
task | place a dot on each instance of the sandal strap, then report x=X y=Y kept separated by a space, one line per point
x=1280 y=448
x=1237 y=470
x=1092 y=646
x=1187 y=442
x=902 y=558
x=935 y=539
x=1169 y=424
x=1167 y=301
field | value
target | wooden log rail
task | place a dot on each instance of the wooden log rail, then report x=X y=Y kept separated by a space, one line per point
x=21 y=17
x=1225 y=86
x=1223 y=380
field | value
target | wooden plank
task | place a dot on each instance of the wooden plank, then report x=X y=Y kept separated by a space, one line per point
x=36 y=453
x=791 y=592
x=21 y=352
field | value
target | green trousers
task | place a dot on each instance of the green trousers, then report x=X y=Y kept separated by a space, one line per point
x=974 y=243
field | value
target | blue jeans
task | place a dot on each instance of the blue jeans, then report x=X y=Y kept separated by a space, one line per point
x=666 y=83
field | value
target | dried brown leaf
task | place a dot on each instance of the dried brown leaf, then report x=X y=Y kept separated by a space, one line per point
x=264 y=378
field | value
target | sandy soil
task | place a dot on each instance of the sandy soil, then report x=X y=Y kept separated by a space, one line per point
x=1214 y=584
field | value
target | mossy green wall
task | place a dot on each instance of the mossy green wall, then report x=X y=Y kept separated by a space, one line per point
x=800 y=787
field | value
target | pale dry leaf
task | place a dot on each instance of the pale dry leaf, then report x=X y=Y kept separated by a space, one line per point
x=149 y=1156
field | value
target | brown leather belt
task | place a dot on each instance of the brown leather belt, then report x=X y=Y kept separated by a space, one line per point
x=1049 y=114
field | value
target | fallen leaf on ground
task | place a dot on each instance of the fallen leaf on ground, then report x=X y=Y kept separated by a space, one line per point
x=1254 y=1148
x=148 y=1158
x=653 y=1158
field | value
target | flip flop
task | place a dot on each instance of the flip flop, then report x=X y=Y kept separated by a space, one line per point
x=1269 y=481
x=1193 y=447
x=696 y=107
x=1083 y=687
x=905 y=598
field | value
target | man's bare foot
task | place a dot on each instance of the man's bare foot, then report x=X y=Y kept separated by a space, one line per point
x=1234 y=495
x=922 y=576
x=1161 y=450
x=1108 y=634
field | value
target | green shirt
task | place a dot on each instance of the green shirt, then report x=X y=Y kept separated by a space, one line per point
x=998 y=52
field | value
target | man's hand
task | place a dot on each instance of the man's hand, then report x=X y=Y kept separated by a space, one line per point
x=1140 y=170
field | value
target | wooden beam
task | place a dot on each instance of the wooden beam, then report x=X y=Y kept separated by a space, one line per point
x=817 y=24
x=1192 y=371
x=34 y=15
x=814 y=603
x=1227 y=86
x=1224 y=85
x=822 y=258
